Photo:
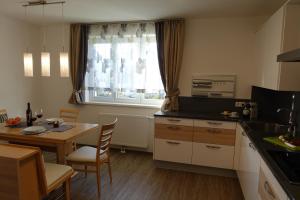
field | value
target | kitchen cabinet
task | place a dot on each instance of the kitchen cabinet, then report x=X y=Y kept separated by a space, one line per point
x=199 y=142
x=213 y=143
x=280 y=33
x=248 y=166
x=269 y=188
x=173 y=140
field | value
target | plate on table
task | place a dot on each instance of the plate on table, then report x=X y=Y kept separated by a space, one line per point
x=52 y=120
x=34 y=130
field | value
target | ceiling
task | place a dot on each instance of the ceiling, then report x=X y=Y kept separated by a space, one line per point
x=127 y=10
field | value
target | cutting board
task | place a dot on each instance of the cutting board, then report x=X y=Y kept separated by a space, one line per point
x=277 y=141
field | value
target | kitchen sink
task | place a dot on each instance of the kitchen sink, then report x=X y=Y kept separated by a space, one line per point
x=289 y=163
x=267 y=127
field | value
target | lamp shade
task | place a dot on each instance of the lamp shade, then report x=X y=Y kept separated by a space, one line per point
x=28 y=65
x=45 y=62
x=64 y=64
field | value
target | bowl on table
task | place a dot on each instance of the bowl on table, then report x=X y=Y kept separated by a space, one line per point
x=13 y=122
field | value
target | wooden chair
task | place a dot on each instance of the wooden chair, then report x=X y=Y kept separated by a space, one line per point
x=24 y=175
x=89 y=156
x=3 y=115
x=68 y=114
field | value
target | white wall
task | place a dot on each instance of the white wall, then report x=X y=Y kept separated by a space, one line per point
x=15 y=89
x=221 y=46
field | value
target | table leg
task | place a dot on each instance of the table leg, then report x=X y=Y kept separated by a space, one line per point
x=62 y=151
x=61 y=154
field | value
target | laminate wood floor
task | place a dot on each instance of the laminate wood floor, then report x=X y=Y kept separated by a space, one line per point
x=135 y=177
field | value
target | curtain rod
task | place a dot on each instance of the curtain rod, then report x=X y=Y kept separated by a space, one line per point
x=128 y=22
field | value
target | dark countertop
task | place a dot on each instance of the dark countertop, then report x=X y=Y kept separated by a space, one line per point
x=205 y=116
x=256 y=137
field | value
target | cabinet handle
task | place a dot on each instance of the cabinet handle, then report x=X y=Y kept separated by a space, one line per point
x=174 y=128
x=268 y=189
x=173 y=143
x=174 y=120
x=213 y=147
x=215 y=123
x=213 y=131
x=251 y=145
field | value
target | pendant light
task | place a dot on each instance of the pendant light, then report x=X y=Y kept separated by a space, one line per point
x=27 y=56
x=64 y=55
x=45 y=56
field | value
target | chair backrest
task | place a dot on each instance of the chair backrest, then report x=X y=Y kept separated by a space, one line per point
x=68 y=114
x=105 y=138
x=29 y=174
x=3 y=115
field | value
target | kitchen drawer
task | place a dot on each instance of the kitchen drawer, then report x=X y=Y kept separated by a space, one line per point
x=211 y=155
x=173 y=151
x=215 y=124
x=174 y=132
x=174 y=121
x=214 y=136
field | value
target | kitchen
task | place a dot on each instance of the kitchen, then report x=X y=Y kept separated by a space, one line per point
x=242 y=47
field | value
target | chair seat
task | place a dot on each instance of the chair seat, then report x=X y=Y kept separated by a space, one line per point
x=86 y=154
x=55 y=172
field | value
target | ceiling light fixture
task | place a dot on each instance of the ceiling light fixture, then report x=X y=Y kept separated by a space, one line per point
x=64 y=55
x=27 y=56
x=45 y=56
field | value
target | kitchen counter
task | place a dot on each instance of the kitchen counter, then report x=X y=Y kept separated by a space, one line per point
x=204 y=116
x=256 y=137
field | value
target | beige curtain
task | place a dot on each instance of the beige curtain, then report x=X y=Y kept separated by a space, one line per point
x=78 y=60
x=170 y=39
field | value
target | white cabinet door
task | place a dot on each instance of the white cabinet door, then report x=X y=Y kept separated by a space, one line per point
x=237 y=146
x=173 y=151
x=248 y=171
x=269 y=188
x=212 y=155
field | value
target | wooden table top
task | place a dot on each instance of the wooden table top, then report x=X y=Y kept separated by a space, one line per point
x=78 y=130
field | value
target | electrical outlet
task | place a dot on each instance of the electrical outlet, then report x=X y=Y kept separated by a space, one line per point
x=239 y=104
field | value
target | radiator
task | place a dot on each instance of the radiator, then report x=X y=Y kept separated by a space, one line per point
x=131 y=130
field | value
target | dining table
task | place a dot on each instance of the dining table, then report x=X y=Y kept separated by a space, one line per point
x=59 y=141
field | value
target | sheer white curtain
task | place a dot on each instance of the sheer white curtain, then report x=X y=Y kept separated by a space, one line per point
x=123 y=64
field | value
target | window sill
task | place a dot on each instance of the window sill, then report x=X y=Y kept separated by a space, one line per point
x=121 y=104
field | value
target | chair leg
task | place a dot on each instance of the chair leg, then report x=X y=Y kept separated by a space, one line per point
x=85 y=170
x=98 y=180
x=109 y=170
x=67 y=189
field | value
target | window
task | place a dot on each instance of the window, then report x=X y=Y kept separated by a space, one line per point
x=123 y=65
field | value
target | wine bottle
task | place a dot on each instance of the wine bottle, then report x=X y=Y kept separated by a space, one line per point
x=29 y=115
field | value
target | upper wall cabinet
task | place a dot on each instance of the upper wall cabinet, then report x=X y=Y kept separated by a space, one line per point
x=280 y=33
